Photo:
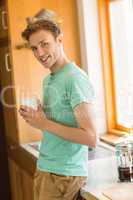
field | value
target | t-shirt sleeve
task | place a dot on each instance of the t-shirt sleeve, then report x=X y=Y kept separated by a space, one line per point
x=80 y=90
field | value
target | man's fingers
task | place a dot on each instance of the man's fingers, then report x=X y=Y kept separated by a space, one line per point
x=39 y=105
x=26 y=113
x=25 y=108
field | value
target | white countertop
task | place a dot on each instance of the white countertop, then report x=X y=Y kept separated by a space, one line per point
x=33 y=146
x=102 y=172
x=29 y=147
x=103 y=175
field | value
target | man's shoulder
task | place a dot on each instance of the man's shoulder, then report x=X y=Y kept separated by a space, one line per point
x=76 y=74
x=74 y=70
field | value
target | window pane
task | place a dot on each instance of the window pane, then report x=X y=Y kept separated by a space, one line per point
x=121 y=18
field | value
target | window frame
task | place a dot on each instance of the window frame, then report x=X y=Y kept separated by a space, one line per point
x=107 y=63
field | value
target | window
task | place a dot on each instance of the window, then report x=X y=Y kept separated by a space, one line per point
x=106 y=31
x=121 y=26
x=116 y=29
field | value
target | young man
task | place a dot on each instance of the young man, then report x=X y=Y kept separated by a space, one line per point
x=65 y=118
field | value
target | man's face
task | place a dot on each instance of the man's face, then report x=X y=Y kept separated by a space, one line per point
x=45 y=47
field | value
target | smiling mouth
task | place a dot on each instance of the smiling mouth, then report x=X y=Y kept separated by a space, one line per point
x=45 y=60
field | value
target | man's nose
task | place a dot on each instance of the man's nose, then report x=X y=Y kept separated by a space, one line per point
x=40 y=51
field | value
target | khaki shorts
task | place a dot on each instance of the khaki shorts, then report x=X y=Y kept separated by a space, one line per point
x=49 y=186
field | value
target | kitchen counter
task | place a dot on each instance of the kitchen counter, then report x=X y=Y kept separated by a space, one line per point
x=102 y=174
x=102 y=170
x=101 y=151
x=103 y=183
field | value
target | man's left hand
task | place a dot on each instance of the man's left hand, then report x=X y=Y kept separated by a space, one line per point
x=35 y=118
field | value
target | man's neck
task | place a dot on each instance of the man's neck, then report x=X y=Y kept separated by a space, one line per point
x=59 y=64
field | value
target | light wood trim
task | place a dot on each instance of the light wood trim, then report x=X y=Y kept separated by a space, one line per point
x=107 y=61
x=106 y=54
x=118 y=132
x=114 y=0
x=111 y=139
x=122 y=128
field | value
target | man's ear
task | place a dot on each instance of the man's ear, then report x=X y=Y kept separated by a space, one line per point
x=60 y=38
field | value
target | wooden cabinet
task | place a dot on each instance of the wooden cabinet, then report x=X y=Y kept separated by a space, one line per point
x=18 y=72
x=21 y=182
x=21 y=73
x=7 y=93
x=3 y=21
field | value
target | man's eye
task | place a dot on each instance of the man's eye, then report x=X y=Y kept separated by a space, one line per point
x=33 y=48
x=44 y=44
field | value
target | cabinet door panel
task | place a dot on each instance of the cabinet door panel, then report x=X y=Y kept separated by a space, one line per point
x=27 y=71
x=27 y=185
x=21 y=182
x=15 y=181
x=7 y=94
x=3 y=22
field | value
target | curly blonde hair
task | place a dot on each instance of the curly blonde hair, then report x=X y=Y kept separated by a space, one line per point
x=43 y=20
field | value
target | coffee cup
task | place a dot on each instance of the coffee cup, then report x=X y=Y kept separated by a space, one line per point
x=31 y=102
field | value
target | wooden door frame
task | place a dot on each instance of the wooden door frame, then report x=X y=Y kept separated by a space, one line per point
x=4 y=172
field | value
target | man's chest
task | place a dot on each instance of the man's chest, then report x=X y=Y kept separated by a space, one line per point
x=56 y=96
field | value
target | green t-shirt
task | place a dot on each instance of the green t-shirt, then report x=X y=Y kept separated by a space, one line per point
x=62 y=92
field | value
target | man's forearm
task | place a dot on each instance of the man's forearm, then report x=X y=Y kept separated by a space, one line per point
x=76 y=135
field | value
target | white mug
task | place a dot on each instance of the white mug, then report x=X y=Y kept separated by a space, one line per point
x=30 y=102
